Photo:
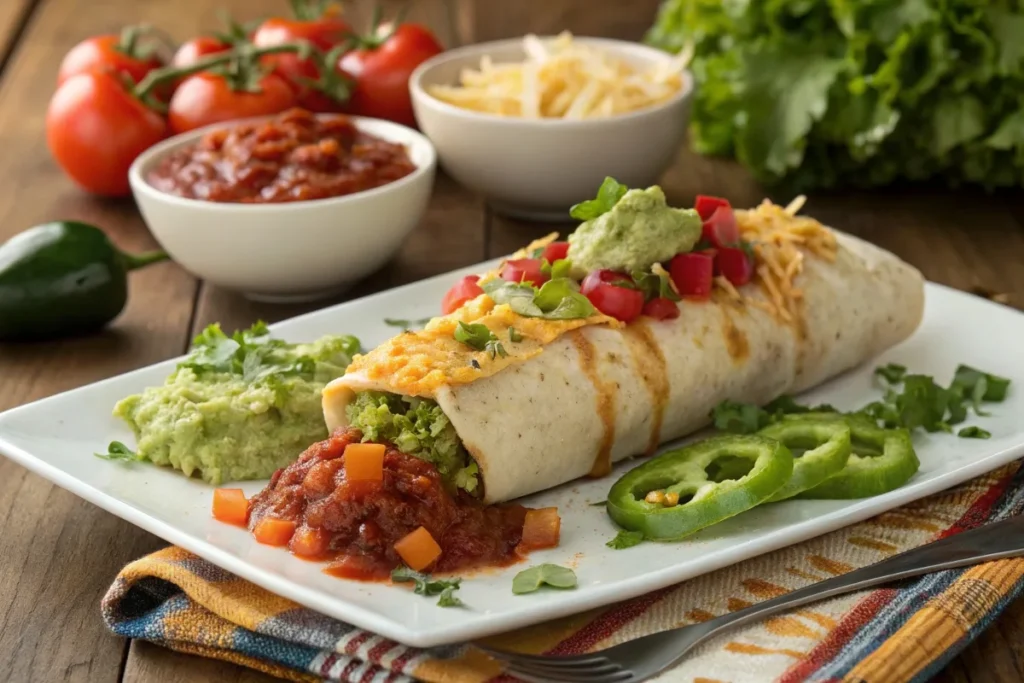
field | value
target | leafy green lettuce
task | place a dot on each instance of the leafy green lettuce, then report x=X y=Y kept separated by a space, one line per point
x=813 y=93
x=417 y=427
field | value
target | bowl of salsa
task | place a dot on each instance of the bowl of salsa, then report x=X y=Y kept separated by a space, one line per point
x=291 y=207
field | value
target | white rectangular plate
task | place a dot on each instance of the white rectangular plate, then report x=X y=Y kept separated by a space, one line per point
x=56 y=438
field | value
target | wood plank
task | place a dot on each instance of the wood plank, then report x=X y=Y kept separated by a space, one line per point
x=495 y=20
x=149 y=663
x=13 y=15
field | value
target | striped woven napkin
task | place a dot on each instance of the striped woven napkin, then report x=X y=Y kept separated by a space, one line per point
x=906 y=632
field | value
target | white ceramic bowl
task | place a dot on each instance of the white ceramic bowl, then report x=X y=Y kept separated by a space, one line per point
x=288 y=251
x=538 y=168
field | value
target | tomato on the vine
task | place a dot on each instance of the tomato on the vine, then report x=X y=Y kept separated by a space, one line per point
x=95 y=129
x=207 y=97
x=381 y=67
x=111 y=54
x=192 y=51
x=317 y=23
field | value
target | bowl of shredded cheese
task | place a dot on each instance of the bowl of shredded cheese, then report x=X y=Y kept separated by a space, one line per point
x=534 y=124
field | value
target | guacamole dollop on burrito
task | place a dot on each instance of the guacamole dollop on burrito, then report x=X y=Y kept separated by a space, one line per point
x=238 y=407
x=639 y=230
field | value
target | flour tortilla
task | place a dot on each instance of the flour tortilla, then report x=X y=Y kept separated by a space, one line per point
x=538 y=424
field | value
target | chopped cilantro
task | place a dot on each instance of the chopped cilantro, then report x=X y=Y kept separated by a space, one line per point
x=514 y=335
x=974 y=432
x=424 y=584
x=892 y=373
x=406 y=324
x=560 y=268
x=494 y=348
x=474 y=335
x=118 y=451
x=626 y=539
x=530 y=580
x=608 y=195
x=911 y=402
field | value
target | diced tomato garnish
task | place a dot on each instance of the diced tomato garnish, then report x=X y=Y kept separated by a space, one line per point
x=310 y=542
x=524 y=270
x=619 y=302
x=230 y=506
x=661 y=308
x=364 y=462
x=541 y=529
x=270 y=531
x=736 y=265
x=721 y=229
x=462 y=291
x=418 y=549
x=706 y=205
x=692 y=273
x=555 y=251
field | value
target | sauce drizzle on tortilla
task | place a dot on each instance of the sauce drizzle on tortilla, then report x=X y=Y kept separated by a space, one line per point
x=605 y=403
x=650 y=364
x=735 y=340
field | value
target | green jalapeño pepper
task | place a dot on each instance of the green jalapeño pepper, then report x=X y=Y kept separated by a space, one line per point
x=63 y=278
x=881 y=460
x=674 y=494
x=825 y=446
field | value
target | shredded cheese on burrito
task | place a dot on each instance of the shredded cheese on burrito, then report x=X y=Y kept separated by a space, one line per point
x=780 y=239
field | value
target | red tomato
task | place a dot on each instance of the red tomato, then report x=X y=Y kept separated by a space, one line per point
x=692 y=273
x=619 y=302
x=381 y=72
x=706 y=205
x=462 y=291
x=555 y=251
x=206 y=98
x=661 y=308
x=193 y=50
x=721 y=229
x=103 y=53
x=735 y=264
x=325 y=32
x=95 y=129
x=524 y=270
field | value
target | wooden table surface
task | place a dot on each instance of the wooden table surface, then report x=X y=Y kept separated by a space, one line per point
x=59 y=554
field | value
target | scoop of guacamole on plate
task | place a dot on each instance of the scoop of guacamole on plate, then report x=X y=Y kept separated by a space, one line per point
x=238 y=407
x=630 y=230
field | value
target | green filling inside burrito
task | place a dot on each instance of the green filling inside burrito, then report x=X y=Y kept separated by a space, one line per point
x=417 y=427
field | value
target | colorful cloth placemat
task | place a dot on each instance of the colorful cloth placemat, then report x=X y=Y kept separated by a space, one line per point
x=904 y=632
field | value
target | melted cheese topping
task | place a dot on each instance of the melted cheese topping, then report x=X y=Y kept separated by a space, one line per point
x=419 y=363
x=780 y=239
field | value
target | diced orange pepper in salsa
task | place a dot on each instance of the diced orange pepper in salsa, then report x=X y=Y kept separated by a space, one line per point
x=310 y=542
x=230 y=506
x=276 y=532
x=418 y=549
x=541 y=529
x=364 y=462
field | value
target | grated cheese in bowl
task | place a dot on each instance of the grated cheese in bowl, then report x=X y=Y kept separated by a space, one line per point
x=563 y=79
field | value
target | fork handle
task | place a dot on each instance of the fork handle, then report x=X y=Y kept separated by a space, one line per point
x=990 y=542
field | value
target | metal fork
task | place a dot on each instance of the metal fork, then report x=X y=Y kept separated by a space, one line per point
x=639 y=659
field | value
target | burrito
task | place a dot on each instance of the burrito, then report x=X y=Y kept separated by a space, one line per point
x=574 y=355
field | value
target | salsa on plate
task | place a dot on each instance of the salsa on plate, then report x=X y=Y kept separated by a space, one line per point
x=370 y=507
x=296 y=156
